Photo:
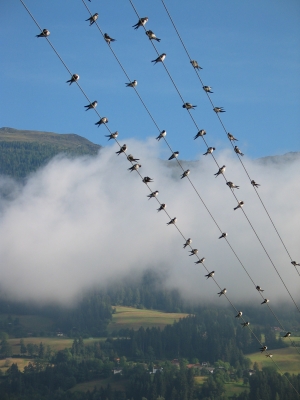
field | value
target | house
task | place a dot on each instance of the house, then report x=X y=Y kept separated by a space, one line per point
x=117 y=371
x=155 y=369
x=175 y=362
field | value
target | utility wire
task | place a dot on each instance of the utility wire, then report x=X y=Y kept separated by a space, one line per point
x=146 y=184
x=223 y=126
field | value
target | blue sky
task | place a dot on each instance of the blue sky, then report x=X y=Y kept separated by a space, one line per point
x=249 y=53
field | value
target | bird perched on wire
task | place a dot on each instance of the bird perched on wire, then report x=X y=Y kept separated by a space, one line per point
x=210 y=274
x=269 y=355
x=160 y=58
x=151 y=35
x=195 y=64
x=259 y=289
x=44 y=33
x=294 y=263
x=232 y=185
x=161 y=135
x=172 y=221
x=222 y=292
x=141 y=22
x=153 y=194
x=91 y=105
x=262 y=349
x=101 y=121
x=162 y=207
x=93 y=19
x=187 y=243
x=221 y=171
x=193 y=252
x=174 y=155
x=131 y=84
x=201 y=261
x=224 y=234
x=238 y=151
x=231 y=137
x=112 y=135
x=219 y=110
x=239 y=314
x=207 y=89
x=130 y=158
x=188 y=106
x=254 y=184
x=265 y=301
x=288 y=334
x=202 y=132
x=209 y=151
x=147 y=179
x=240 y=205
x=108 y=39
x=122 y=149
x=73 y=79
x=135 y=167
x=185 y=174
x=245 y=324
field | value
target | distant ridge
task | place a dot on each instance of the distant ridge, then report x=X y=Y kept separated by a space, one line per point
x=24 y=151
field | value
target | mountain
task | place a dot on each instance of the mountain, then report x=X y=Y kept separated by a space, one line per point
x=23 y=151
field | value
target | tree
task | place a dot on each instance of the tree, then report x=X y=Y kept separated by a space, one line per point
x=23 y=349
x=6 y=349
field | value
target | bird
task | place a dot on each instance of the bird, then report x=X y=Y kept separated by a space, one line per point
x=101 y=121
x=193 y=252
x=187 y=243
x=232 y=185
x=161 y=135
x=108 y=39
x=210 y=274
x=91 y=105
x=162 y=207
x=44 y=33
x=147 y=179
x=240 y=205
x=112 y=135
x=202 y=132
x=239 y=314
x=265 y=301
x=262 y=349
x=186 y=173
x=93 y=18
x=269 y=355
x=151 y=35
x=221 y=171
x=153 y=194
x=245 y=324
x=209 y=150
x=195 y=64
x=201 y=261
x=231 y=137
x=224 y=234
x=174 y=155
x=219 y=110
x=135 y=167
x=259 y=289
x=188 y=106
x=222 y=292
x=294 y=263
x=131 y=84
x=122 y=149
x=160 y=58
x=207 y=89
x=288 y=334
x=254 y=184
x=172 y=221
x=238 y=151
x=141 y=22
x=132 y=159
x=74 y=78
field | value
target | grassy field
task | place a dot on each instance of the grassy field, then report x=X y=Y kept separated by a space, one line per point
x=231 y=388
x=6 y=363
x=129 y=317
x=116 y=384
x=287 y=359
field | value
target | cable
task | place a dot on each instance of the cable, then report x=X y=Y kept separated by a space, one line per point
x=223 y=126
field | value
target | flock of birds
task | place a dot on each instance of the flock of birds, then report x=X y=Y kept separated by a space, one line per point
x=201 y=133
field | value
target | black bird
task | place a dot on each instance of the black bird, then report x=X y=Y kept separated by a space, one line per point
x=108 y=39
x=122 y=149
x=210 y=274
x=73 y=79
x=162 y=207
x=91 y=105
x=147 y=179
x=141 y=22
x=93 y=19
x=44 y=33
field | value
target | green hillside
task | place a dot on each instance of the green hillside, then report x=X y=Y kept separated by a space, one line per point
x=23 y=152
